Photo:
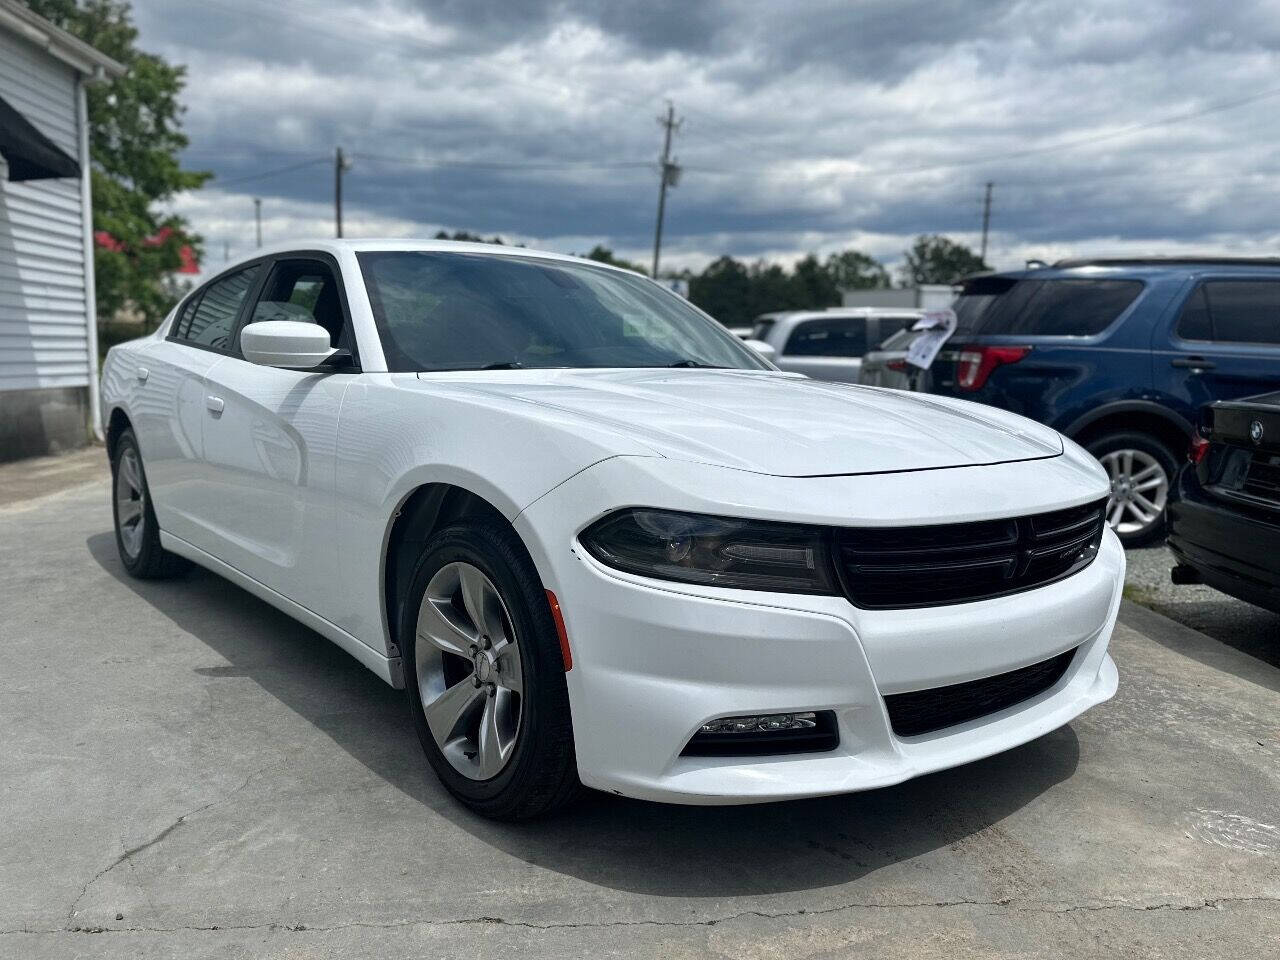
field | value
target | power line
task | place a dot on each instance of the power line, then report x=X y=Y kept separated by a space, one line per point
x=506 y=164
x=270 y=173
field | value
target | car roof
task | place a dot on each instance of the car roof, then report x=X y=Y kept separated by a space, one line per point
x=401 y=244
x=1136 y=267
x=837 y=312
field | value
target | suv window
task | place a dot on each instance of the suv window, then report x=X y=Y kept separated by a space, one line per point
x=1045 y=308
x=1244 y=311
x=1194 y=322
x=828 y=338
x=214 y=318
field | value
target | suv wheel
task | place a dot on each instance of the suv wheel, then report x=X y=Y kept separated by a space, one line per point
x=1141 y=469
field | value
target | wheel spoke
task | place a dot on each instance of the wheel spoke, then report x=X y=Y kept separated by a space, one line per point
x=129 y=471
x=1126 y=464
x=446 y=713
x=510 y=675
x=1152 y=470
x=480 y=601
x=1141 y=501
x=1112 y=462
x=492 y=757
x=438 y=625
x=1152 y=484
x=129 y=511
x=1116 y=511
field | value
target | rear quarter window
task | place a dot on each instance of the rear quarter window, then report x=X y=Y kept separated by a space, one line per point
x=828 y=338
x=1044 y=308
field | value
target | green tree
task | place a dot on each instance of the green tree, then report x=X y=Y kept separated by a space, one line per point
x=724 y=290
x=602 y=254
x=937 y=259
x=468 y=236
x=814 y=286
x=854 y=270
x=135 y=136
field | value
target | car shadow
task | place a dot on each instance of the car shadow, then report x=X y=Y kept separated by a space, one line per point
x=640 y=847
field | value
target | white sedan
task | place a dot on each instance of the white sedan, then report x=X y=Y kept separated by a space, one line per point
x=601 y=542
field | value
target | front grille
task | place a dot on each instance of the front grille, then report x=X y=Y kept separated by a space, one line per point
x=903 y=567
x=1263 y=479
x=923 y=711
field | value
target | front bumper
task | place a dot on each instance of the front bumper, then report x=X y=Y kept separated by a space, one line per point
x=1233 y=546
x=653 y=661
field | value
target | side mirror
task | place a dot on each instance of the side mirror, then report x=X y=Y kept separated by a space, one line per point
x=291 y=344
x=764 y=349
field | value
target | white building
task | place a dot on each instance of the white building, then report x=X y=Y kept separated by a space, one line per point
x=48 y=327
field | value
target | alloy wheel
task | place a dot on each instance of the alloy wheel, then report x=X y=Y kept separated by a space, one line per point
x=131 y=503
x=1139 y=490
x=467 y=658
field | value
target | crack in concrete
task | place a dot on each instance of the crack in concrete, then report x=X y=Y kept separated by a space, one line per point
x=1049 y=907
x=128 y=853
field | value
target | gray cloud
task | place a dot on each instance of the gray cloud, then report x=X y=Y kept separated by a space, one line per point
x=808 y=125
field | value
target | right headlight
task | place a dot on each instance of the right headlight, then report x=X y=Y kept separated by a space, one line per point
x=717 y=551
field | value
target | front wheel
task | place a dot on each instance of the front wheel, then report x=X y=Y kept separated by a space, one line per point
x=1141 y=469
x=484 y=674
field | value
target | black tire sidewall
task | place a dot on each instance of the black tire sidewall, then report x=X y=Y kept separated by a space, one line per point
x=544 y=704
x=1148 y=444
x=150 y=539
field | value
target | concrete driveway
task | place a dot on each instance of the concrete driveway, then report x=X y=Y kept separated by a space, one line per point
x=187 y=772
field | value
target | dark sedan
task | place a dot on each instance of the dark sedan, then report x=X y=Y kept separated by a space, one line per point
x=1224 y=514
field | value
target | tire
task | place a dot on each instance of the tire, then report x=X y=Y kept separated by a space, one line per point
x=536 y=772
x=137 y=533
x=1131 y=459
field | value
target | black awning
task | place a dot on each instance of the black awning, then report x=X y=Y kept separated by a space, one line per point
x=30 y=154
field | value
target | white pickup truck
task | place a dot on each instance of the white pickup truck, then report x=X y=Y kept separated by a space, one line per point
x=829 y=344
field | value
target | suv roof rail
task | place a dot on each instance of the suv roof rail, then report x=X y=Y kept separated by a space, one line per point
x=1168 y=261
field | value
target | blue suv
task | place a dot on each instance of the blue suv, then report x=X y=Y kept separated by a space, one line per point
x=1119 y=355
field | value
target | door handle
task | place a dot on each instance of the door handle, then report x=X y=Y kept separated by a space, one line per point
x=214 y=404
x=142 y=373
x=1193 y=363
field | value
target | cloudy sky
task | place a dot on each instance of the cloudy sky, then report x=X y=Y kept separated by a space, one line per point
x=1141 y=126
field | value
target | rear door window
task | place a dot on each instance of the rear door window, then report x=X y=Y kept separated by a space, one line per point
x=214 y=319
x=1244 y=311
x=1044 y=308
x=1194 y=322
x=828 y=338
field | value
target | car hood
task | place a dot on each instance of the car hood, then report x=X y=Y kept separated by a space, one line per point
x=769 y=422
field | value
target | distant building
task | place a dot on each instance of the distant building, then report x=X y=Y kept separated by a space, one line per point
x=48 y=327
x=927 y=296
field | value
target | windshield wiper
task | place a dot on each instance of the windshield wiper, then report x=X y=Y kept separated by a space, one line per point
x=504 y=365
x=697 y=363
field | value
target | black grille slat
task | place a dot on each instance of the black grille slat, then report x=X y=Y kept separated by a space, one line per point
x=925 y=711
x=904 y=567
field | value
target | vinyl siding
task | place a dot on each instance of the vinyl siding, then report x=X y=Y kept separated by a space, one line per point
x=43 y=309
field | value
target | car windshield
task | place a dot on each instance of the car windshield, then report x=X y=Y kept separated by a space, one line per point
x=469 y=311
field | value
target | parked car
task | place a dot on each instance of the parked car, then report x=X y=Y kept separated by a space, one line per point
x=1224 y=513
x=828 y=344
x=598 y=540
x=1119 y=355
x=886 y=365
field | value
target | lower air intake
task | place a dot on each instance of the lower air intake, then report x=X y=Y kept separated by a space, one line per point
x=924 y=711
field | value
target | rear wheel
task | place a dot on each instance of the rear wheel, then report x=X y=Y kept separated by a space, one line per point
x=137 y=534
x=484 y=674
x=1141 y=469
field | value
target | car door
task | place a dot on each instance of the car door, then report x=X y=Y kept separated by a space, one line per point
x=269 y=442
x=826 y=348
x=1224 y=343
x=169 y=408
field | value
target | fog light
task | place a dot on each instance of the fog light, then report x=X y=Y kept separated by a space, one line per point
x=761 y=734
x=766 y=722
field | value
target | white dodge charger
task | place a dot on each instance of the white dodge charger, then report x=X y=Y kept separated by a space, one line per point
x=598 y=540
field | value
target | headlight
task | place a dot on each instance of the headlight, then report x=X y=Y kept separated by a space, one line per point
x=718 y=551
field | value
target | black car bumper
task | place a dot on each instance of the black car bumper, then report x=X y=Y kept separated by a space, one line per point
x=1235 y=547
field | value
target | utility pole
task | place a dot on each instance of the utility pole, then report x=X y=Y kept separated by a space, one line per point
x=257 y=217
x=340 y=166
x=226 y=250
x=986 y=221
x=670 y=177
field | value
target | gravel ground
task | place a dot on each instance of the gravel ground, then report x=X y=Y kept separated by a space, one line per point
x=1249 y=629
